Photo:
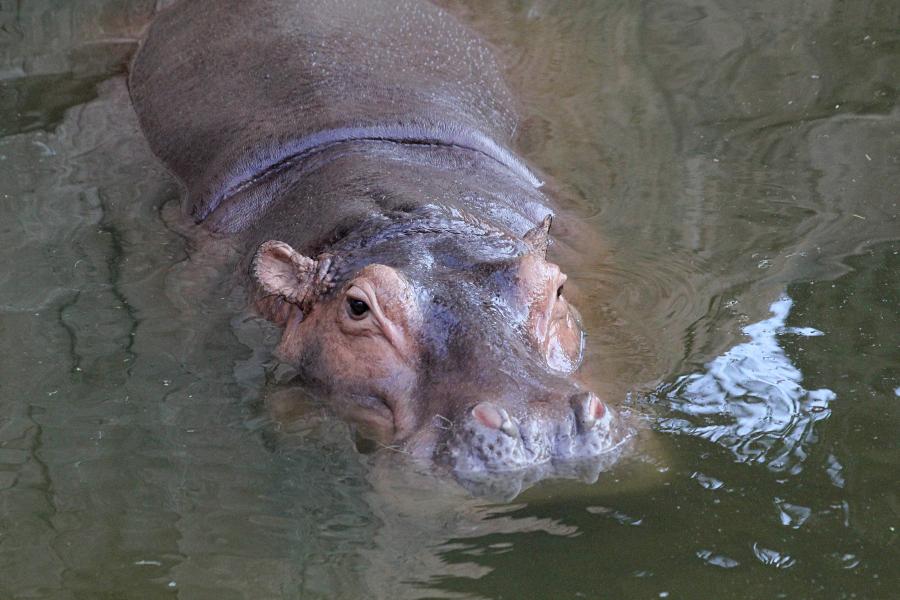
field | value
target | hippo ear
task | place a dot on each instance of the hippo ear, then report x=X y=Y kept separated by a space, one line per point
x=538 y=238
x=283 y=275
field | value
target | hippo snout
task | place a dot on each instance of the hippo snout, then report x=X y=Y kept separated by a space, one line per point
x=490 y=439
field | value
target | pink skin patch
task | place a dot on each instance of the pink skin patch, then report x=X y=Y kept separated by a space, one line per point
x=488 y=415
x=596 y=409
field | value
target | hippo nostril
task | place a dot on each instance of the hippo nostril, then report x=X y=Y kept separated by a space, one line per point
x=588 y=409
x=488 y=415
x=491 y=415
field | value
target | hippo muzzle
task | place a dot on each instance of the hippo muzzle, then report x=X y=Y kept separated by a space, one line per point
x=489 y=439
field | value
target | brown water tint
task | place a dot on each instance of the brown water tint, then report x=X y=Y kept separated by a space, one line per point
x=738 y=163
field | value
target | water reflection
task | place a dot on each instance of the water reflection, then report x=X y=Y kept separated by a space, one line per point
x=750 y=399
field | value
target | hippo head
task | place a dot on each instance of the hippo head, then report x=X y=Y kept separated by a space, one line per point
x=447 y=338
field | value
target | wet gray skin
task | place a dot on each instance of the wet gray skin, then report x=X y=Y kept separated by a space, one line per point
x=361 y=152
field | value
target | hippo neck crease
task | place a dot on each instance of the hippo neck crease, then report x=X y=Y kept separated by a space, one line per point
x=247 y=172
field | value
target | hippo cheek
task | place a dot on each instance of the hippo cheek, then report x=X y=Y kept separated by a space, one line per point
x=355 y=343
x=370 y=416
x=364 y=380
x=376 y=396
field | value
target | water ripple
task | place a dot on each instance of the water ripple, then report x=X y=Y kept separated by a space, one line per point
x=750 y=400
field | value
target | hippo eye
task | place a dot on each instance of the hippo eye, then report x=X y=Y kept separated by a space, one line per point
x=559 y=292
x=357 y=308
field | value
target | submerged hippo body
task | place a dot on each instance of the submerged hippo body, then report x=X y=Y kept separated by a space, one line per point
x=362 y=151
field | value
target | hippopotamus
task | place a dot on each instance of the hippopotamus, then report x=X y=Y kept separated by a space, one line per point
x=361 y=152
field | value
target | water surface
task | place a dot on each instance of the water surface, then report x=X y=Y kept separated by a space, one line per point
x=738 y=164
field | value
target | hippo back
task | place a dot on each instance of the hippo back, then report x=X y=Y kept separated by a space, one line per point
x=228 y=91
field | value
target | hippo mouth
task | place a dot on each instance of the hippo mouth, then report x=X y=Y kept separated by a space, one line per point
x=492 y=453
x=504 y=486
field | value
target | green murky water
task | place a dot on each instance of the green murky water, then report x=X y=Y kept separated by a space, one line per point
x=740 y=162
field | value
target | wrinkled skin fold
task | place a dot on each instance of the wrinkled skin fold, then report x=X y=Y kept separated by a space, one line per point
x=360 y=150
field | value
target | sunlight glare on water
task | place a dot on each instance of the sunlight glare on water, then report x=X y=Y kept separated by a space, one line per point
x=750 y=399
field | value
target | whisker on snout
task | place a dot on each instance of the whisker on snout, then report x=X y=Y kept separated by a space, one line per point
x=442 y=422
